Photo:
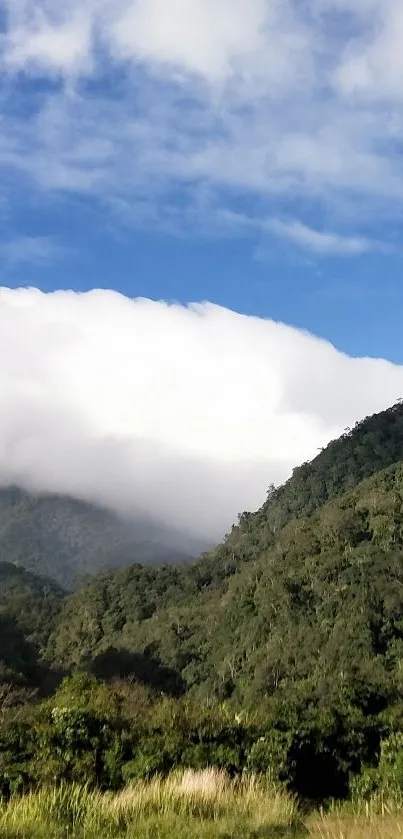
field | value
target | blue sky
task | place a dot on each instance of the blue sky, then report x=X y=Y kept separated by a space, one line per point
x=245 y=153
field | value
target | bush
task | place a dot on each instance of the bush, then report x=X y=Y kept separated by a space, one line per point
x=385 y=781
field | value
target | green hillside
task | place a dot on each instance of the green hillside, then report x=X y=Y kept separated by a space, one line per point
x=305 y=589
x=62 y=538
x=279 y=651
x=324 y=604
x=372 y=445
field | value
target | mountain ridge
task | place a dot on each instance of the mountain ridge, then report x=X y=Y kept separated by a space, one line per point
x=62 y=537
x=168 y=610
x=219 y=621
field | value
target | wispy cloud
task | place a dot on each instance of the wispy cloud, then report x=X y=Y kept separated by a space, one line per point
x=318 y=241
x=33 y=250
x=270 y=100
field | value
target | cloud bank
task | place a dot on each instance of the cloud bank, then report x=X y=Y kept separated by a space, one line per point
x=186 y=413
x=131 y=101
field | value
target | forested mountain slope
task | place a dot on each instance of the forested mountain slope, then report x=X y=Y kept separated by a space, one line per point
x=371 y=446
x=320 y=607
x=61 y=537
x=305 y=589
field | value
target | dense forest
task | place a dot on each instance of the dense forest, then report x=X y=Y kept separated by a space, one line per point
x=280 y=651
x=64 y=538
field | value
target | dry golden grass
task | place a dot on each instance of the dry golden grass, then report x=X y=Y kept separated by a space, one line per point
x=188 y=804
x=207 y=795
x=376 y=820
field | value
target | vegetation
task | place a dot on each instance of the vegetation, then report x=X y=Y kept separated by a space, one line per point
x=278 y=655
x=319 y=610
x=206 y=804
x=62 y=538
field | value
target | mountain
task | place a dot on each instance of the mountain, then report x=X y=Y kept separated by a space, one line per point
x=307 y=590
x=61 y=537
x=290 y=632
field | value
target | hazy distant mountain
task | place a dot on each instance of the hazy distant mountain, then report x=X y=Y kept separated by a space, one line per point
x=62 y=538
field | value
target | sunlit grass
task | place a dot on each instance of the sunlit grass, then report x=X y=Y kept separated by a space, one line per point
x=356 y=827
x=188 y=805
x=375 y=819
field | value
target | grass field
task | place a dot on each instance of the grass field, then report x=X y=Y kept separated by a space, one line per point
x=189 y=805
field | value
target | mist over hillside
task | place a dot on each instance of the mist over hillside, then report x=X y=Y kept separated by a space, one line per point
x=64 y=538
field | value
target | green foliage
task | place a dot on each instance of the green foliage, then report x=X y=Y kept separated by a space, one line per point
x=15 y=754
x=269 y=754
x=62 y=538
x=383 y=781
x=28 y=608
x=323 y=605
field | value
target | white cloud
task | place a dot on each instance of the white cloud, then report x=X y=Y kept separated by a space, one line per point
x=319 y=241
x=64 y=48
x=187 y=413
x=372 y=63
x=215 y=39
x=43 y=37
x=207 y=38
